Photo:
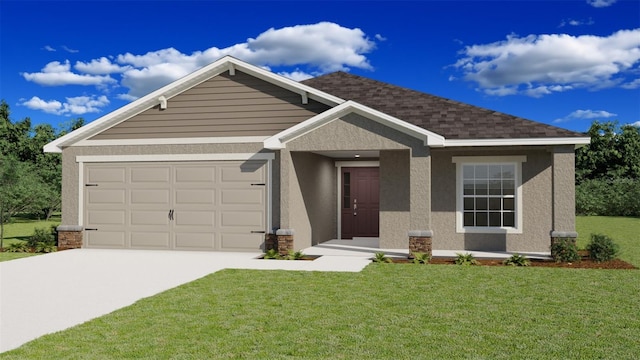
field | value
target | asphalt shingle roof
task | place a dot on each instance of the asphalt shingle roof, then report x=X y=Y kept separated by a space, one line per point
x=451 y=119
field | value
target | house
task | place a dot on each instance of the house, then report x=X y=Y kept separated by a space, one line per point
x=233 y=156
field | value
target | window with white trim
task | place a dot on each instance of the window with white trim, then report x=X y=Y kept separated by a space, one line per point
x=489 y=194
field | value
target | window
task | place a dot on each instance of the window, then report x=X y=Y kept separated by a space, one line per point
x=489 y=194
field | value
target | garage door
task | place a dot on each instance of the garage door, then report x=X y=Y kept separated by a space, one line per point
x=219 y=205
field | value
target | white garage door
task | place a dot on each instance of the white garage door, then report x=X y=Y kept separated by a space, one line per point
x=215 y=205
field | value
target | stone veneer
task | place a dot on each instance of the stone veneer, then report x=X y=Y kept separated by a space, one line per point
x=284 y=239
x=69 y=237
x=420 y=241
x=556 y=235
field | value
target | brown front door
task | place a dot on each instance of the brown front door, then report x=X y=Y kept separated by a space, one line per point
x=360 y=202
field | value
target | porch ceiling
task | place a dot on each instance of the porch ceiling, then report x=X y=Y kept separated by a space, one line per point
x=350 y=154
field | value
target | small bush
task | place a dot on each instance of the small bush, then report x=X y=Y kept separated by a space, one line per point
x=466 y=259
x=380 y=257
x=564 y=250
x=421 y=258
x=517 y=260
x=602 y=248
x=45 y=247
x=18 y=247
x=272 y=254
x=294 y=255
x=41 y=235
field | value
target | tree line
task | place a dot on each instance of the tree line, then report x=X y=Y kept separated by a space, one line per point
x=30 y=180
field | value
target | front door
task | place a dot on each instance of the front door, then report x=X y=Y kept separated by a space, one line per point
x=360 y=202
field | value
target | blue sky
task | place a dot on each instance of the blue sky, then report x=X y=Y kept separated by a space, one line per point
x=564 y=63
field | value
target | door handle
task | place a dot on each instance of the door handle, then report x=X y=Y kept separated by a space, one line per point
x=171 y=214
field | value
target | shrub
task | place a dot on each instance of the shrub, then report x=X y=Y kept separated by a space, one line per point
x=41 y=235
x=564 y=250
x=18 y=247
x=380 y=257
x=466 y=259
x=421 y=258
x=294 y=255
x=45 y=247
x=602 y=248
x=517 y=260
x=606 y=197
x=272 y=254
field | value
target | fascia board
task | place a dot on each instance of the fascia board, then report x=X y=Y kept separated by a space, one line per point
x=577 y=141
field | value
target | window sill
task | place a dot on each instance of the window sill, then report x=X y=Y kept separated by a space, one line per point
x=488 y=230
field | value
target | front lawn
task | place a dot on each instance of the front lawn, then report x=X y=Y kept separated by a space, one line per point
x=625 y=231
x=387 y=311
x=19 y=229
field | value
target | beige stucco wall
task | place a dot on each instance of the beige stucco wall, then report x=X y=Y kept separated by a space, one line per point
x=564 y=189
x=70 y=168
x=537 y=217
x=398 y=153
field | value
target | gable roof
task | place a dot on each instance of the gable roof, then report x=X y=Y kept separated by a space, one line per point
x=160 y=96
x=451 y=119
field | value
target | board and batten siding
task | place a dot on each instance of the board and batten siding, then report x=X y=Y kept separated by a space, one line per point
x=225 y=105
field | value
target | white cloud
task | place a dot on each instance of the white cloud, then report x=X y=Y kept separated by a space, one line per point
x=296 y=75
x=380 y=37
x=67 y=49
x=321 y=48
x=126 y=97
x=56 y=73
x=100 y=67
x=48 y=48
x=586 y=114
x=573 y=22
x=537 y=65
x=637 y=123
x=600 y=3
x=634 y=84
x=74 y=105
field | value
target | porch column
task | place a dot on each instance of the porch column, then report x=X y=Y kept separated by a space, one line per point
x=564 y=202
x=420 y=234
x=284 y=236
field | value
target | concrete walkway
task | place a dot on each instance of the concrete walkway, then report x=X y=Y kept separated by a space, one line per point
x=48 y=293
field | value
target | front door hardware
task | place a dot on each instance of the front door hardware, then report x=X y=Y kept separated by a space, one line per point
x=171 y=214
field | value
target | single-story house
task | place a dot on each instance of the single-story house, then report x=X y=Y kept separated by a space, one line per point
x=233 y=157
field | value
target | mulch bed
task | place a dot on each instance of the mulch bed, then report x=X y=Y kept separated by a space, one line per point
x=584 y=263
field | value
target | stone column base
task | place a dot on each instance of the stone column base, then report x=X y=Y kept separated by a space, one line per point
x=284 y=239
x=420 y=241
x=69 y=237
x=561 y=235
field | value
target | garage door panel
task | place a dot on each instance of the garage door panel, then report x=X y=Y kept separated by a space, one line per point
x=106 y=196
x=149 y=217
x=246 y=172
x=196 y=196
x=107 y=217
x=106 y=239
x=240 y=242
x=195 y=241
x=194 y=218
x=106 y=174
x=150 y=175
x=194 y=174
x=254 y=196
x=253 y=219
x=150 y=196
x=150 y=239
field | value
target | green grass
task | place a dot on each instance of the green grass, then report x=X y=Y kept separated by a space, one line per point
x=387 y=311
x=19 y=229
x=624 y=231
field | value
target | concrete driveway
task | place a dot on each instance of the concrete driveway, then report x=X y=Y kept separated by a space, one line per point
x=49 y=293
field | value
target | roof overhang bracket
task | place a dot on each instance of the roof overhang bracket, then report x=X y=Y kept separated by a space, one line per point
x=232 y=69
x=305 y=97
x=163 y=102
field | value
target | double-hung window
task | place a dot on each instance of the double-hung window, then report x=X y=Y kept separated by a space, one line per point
x=489 y=194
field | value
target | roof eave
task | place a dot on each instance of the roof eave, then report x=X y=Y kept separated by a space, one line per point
x=576 y=141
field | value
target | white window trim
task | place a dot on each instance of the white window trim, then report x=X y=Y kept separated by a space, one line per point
x=339 y=165
x=492 y=160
